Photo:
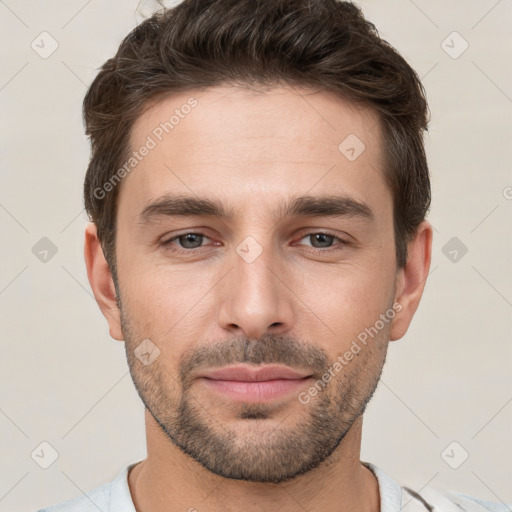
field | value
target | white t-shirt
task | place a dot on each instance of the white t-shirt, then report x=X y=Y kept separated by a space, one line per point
x=115 y=497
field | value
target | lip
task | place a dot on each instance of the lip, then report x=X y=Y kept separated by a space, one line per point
x=257 y=385
x=254 y=374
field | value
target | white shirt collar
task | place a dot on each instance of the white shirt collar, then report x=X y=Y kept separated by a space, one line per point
x=390 y=491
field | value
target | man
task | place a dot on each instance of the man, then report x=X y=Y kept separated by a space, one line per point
x=258 y=189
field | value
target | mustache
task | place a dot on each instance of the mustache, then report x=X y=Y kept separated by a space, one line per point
x=267 y=349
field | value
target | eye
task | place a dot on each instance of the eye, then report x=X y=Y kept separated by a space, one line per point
x=323 y=240
x=186 y=241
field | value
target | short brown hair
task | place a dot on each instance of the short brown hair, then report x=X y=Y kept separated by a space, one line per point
x=324 y=44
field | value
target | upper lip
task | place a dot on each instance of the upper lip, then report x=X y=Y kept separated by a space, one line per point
x=253 y=374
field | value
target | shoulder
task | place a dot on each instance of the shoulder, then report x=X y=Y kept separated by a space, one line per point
x=395 y=497
x=113 y=496
x=438 y=500
x=97 y=499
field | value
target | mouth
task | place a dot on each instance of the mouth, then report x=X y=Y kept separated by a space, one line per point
x=253 y=384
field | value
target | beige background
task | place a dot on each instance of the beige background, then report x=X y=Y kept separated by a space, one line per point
x=64 y=381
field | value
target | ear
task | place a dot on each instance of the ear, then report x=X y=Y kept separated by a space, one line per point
x=411 y=279
x=100 y=279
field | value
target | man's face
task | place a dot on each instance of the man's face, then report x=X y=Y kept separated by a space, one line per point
x=256 y=286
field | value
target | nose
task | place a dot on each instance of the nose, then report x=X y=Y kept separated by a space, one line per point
x=256 y=298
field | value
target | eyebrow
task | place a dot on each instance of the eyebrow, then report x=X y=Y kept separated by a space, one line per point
x=310 y=206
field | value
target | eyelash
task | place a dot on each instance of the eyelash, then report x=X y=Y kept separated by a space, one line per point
x=168 y=247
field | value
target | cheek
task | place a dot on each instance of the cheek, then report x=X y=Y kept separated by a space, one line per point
x=345 y=301
x=164 y=304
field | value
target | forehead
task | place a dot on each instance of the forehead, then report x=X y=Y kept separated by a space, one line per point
x=247 y=146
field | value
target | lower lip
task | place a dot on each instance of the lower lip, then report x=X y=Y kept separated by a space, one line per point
x=262 y=391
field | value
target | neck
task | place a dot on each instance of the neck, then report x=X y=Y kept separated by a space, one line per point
x=169 y=480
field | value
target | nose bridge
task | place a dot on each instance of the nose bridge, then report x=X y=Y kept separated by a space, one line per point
x=255 y=300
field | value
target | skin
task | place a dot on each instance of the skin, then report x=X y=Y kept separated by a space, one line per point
x=254 y=150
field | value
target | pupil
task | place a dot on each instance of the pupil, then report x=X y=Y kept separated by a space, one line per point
x=324 y=238
x=189 y=238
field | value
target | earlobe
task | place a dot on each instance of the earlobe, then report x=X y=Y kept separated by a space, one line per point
x=100 y=279
x=411 y=279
